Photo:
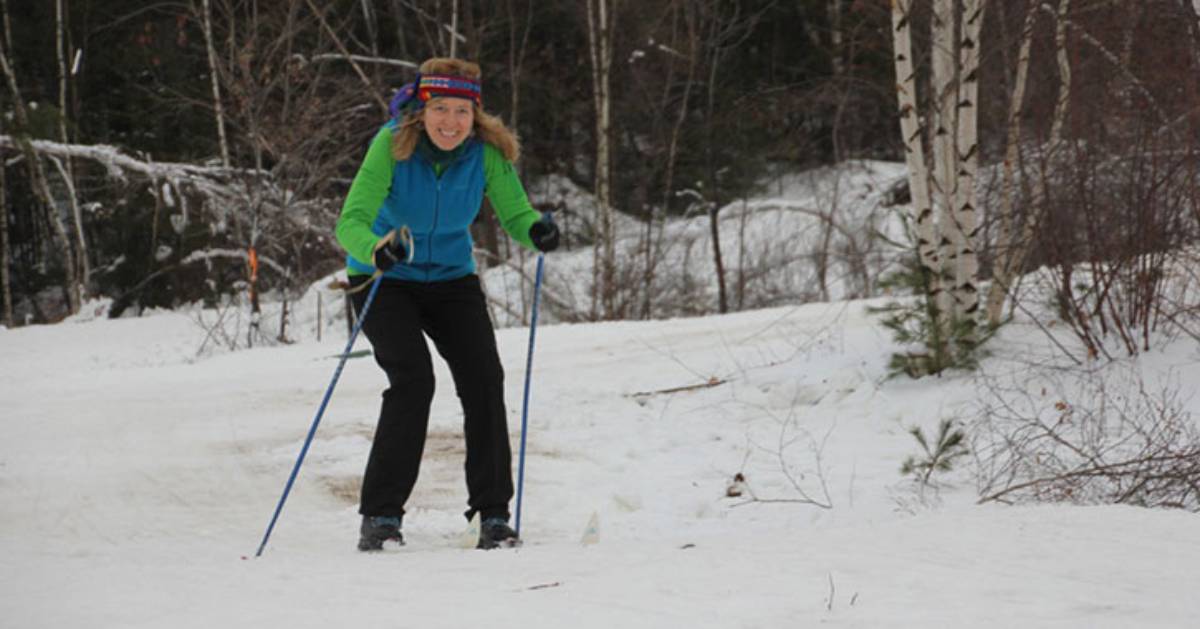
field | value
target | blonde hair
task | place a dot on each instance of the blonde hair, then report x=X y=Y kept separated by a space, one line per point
x=487 y=127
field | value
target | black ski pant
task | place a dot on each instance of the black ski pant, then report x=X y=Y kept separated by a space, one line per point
x=454 y=315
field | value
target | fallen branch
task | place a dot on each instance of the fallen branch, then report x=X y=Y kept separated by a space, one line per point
x=711 y=382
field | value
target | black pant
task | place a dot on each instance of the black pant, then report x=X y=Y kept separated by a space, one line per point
x=454 y=316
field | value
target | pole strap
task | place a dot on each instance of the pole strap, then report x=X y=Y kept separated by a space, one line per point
x=404 y=234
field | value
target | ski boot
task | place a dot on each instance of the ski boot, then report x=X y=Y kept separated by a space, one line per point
x=496 y=533
x=376 y=530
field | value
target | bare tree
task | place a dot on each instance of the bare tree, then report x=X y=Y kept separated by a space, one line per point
x=453 y=28
x=833 y=9
x=370 y=21
x=714 y=51
x=518 y=44
x=5 y=281
x=350 y=58
x=725 y=33
x=66 y=171
x=601 y=18
x=652 y=244
x=218 y=108
x=37 y=174
x=1191 y=13
x=1008 y=262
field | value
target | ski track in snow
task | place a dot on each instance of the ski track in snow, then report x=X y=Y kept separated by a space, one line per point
x=136 y=482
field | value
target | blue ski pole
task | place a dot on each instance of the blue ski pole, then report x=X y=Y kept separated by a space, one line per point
x=321 y=411
x=537 y=290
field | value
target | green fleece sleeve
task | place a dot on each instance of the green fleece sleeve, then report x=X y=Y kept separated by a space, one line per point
x=507 y=195
x=367 y=193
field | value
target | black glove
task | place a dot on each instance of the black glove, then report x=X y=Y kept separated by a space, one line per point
x=390 y=254
x=544 y=233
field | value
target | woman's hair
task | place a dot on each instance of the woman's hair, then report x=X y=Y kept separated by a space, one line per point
x=487 y=127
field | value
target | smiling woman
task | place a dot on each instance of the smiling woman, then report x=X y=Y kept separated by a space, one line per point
x=448 y=121
x=425 y=176
x=440 y=79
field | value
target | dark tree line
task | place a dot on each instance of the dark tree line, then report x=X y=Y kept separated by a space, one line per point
x=237 y=124
x=704 y=95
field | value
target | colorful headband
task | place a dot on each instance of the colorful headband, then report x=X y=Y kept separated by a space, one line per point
x=414 y=95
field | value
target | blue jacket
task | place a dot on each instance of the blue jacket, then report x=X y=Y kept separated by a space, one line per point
x=438 y=209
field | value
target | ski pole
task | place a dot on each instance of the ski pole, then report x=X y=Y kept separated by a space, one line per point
x=537 y=289
x=320 y=411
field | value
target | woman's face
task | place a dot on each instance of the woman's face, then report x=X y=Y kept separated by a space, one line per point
x=448 y=121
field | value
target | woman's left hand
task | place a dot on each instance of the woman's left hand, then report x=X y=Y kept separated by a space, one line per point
x=544 y=233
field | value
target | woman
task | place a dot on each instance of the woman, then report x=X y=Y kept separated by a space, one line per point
x=424 y=176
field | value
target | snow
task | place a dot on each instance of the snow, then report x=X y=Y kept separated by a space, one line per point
x=136 y=482
x=141 y=460
x=769 y=242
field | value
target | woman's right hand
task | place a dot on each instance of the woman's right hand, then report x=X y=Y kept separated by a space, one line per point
x=393 y=249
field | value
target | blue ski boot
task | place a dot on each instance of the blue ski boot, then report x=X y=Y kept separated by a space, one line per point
x=496 y=533
x=376 y=530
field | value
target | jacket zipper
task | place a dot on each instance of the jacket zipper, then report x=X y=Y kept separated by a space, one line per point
x=437 y=206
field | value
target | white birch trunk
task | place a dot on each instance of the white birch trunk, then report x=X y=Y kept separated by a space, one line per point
x=945 y=99
x=1010 y=250
x=910 y=129
x=216 y=84
x=966 y=214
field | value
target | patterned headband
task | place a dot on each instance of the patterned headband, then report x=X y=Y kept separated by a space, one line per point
x=414 y=95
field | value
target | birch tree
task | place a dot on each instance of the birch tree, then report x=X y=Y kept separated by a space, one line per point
x=965 y=217
x=1009 y=251
x=943 y=195
x=914 y=148
x=600 y=28
x=945 y=162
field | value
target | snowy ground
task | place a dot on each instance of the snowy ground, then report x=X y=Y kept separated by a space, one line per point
x=136 y=482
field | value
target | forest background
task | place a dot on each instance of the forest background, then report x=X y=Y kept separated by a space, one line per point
x=166 y=153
